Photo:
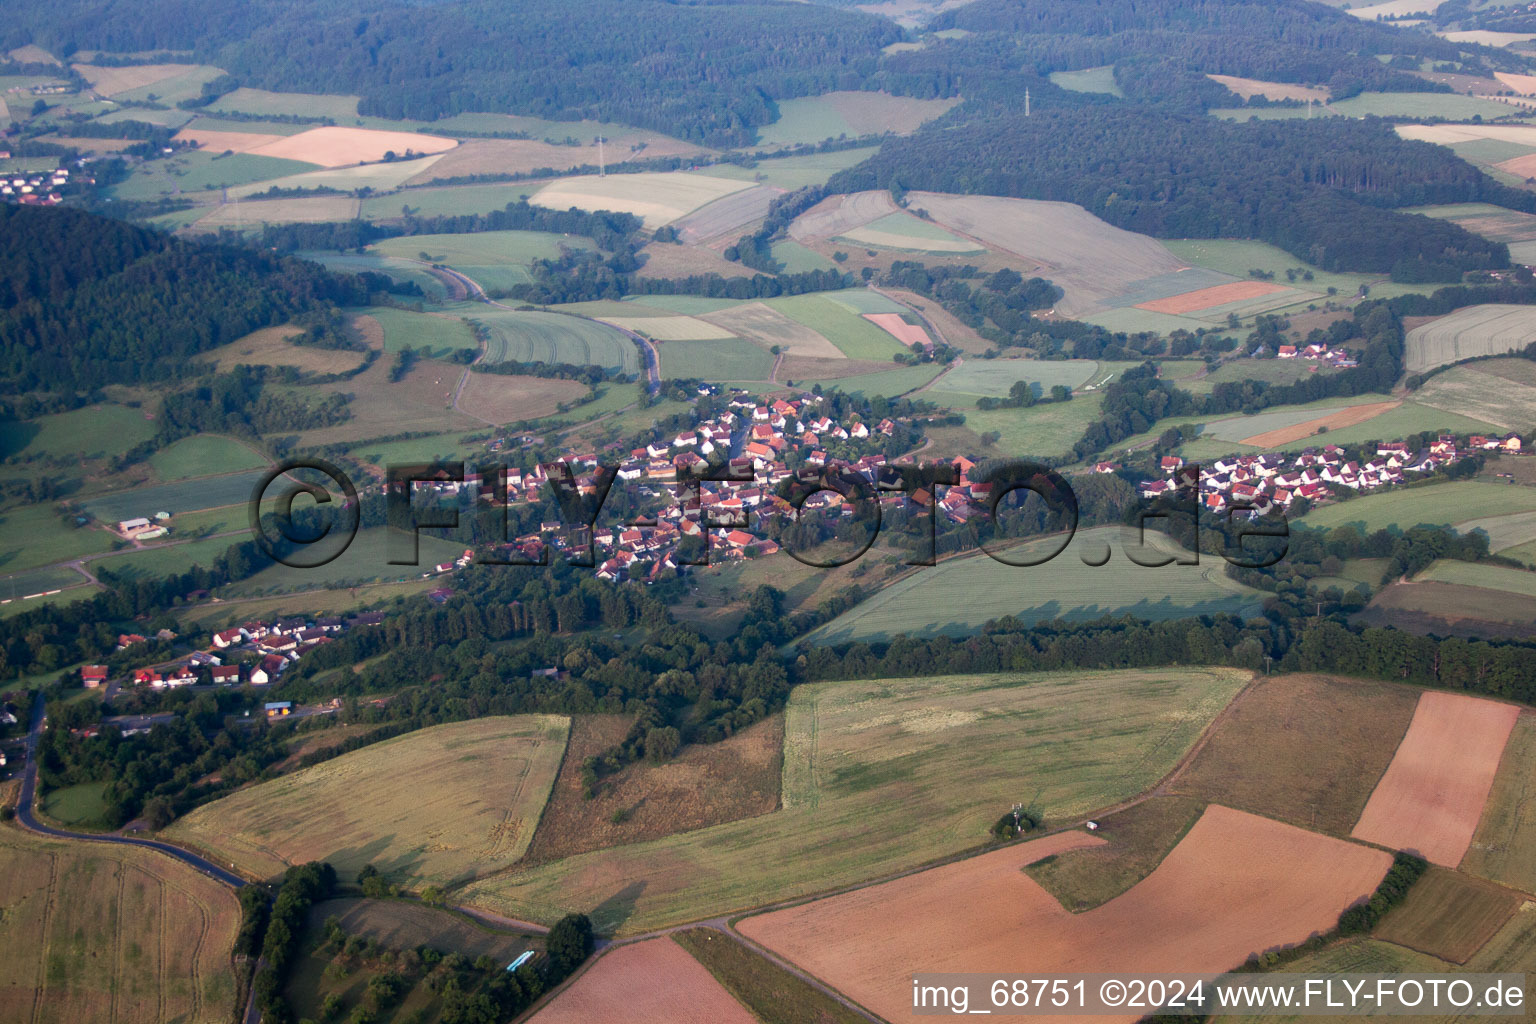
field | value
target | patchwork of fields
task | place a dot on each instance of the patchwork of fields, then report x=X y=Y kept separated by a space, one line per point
x=939 y=754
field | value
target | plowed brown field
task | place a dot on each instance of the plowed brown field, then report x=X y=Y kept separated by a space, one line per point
x=650 y=982
x=1333 y=421
x=1217 y=295
x=1432 y=795
x=1237 y=884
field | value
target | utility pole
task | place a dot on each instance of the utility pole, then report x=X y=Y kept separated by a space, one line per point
x=1026 y=101
x=602 y=166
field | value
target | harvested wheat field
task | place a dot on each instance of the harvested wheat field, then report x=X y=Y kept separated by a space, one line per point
x=1235 y=885
x=656 y=198
x=255 y=212
x=896 y=327
x=222 y=141
x=505 y=156
x=1246 y=87
x=1520 y=166
x=1205 y=298
x=1432 y=795
x=1525 y=85
x=332 y=146
x=650 y=982
x=270 y=347
x=837 y=215
x=111 y=81
x=438 y=805
x=1090 y=260
x=114 y=934
x=1348 y=417
x=500 y=398
x=705 y=784
x=758 y=322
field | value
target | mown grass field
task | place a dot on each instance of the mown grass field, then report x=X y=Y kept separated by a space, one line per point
x=112 y=933
x=1438 y=504
x=994 y=377
x=474 y=796
x=854 y=336
x=77 y=807
x=1490 y=577
x=430 y=333
x=792 y=172
x=1504 y=848
x=1238 y=256
x=204 y=455
x=95 y=431
x=533 y=336
x=815 y=118
x=35 y=535
x=366 y=560
x=881 y=775
x=342 y=109
x=179 y=496
x=494 y=259
x=1271 y=371
x=200 y=171
x=957 y=596
x=399 y=270
x=1046 y=430
x=889 y=383
x=1449 y=915
x=719 y=359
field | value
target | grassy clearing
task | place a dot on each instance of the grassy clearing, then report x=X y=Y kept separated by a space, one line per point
x=200 y=171
x=77 y=806
x=773 y=994
x=792 y=172
x=112 y=933
x=94 y=432
x=1449 y=915
x=270 y=346
x=940 y=756
x=476 y=792
x=342 y=109
x=533 y=336
x=1271 y=371
x=446 y=201
x=1100 y=80
x=797 y=259
x=716 y=359
x=1504 y=848
x=1436 y=504
x=835 y=114
x=854 y=336
x=706 y=784
x=204 y=455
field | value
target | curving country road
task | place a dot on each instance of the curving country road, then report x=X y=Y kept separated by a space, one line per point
x=28 y=821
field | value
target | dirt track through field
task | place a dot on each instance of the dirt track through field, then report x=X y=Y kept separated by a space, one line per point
x=650 y=982
x=1237 y=884
x=1431 y=798
x=1349 y=417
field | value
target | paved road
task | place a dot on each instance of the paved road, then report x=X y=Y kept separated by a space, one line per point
x=29 y=822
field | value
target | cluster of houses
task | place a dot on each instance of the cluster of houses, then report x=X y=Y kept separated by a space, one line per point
x=264 y=651
x=1274 y=479
x=1325 y=356
x=760 y=442
x=34 y=188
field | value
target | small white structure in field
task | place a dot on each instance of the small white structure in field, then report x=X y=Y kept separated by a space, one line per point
x=1093 y=826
